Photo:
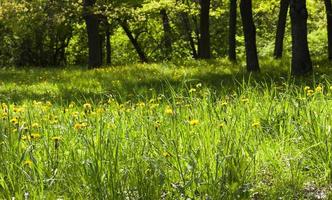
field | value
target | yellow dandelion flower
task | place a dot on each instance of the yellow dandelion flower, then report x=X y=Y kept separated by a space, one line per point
x=256 y=124
x=192 y=90
x=224 y=103
x=87 y=106
x=319 y=89
x=310 y=92
x=14 y=121
x=167 y=154
x=169 y=111
x=194 y=122
x=35 y=136
x=35 y=125
x=26 y=137
x=244 y=100
x=28 y=163
x=306 y=88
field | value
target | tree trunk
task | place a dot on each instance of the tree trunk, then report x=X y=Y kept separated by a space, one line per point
x=188 y=33
x=301 y=62
x=204 y=41
x=249 y=30
x=134 y=41
x=328 y=7
x=94 y=40
x=167 y=34
x=279 y=43
x=232 y=30
x=108 y=45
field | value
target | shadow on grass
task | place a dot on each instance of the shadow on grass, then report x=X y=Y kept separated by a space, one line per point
x=81 y=85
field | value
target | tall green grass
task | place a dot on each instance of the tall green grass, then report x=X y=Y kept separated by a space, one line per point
x=165 y=131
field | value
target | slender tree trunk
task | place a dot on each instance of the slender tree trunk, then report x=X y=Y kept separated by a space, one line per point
x=204 y=42
x=134 y=41
x=301 y=61
x=249 y=30
x=188 y=33
x=108 y=45
x=279 y=43
x=92 y=24
x=232 y=30
x=328 y=7
x=167 y=33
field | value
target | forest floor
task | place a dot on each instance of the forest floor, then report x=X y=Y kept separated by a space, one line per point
x=192 y=130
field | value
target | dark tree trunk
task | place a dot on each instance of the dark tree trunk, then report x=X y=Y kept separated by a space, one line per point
x=249 y=30
x=167 y=33
x=134 y=41
x=94 y=40
x=301 y=62
x=188 y=31
x=204 y=41
x=232 y=30
x=279 y=43
x=108 y=45
x=328 y=7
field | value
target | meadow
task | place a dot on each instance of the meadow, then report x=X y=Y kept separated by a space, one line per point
x=188 y=130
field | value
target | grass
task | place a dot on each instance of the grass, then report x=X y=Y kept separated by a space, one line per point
x=201 y=130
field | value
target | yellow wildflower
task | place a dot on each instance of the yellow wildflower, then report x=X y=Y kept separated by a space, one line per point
x=167 y=154
x=192 y=90
x=256 y=125
x=245 y=100
x=310 y=92
x=35 y=125
x=169 y=111
x=79 y=126
x=14 y=121
x=87 y=106
x=194 y=122
x=319 y=89
x=306 y=88
x=28 y=163
x=35 y=136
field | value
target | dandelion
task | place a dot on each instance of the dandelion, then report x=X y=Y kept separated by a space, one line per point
x=192 y=90
x=169 y=111
x=87 y=106
x=35 y=125
x=26 y=137
x=310 y=92
x=244 y=100
x=35 y=136
x=319 y=89
x=256 y=125
x=79 y=126
x=194 y=122
x=167 y=154
x=224 y=103
x=28 y=163
x=306 y=88
x=14 y=121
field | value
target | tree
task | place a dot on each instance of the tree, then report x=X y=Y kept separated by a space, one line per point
x=204 y=41
x=328 y=8
x=301 y=61
x=94 y=40
x=167 y=40
x=279 y=42
x=249 y=31
x=232 y=30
